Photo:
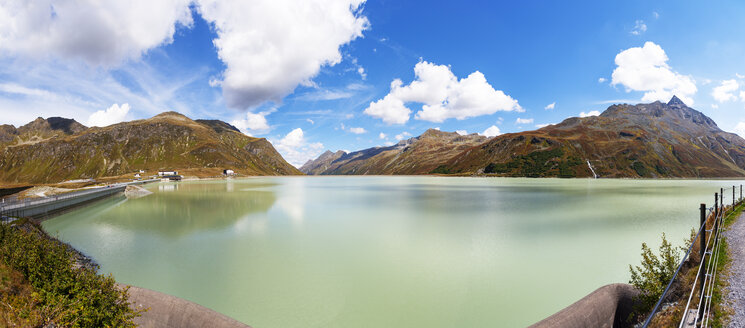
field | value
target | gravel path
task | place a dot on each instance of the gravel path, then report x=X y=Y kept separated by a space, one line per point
x=736 y=291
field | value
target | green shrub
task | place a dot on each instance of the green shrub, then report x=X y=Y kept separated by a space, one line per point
x=655 y=272
x=71 y=297
x=640 y=169
x=496 y=168
x=442 y=169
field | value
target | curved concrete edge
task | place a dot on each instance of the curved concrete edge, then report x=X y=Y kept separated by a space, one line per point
x=166 y=311
x=607 y=306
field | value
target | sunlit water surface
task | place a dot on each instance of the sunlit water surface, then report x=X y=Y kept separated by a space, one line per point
x=383 y=251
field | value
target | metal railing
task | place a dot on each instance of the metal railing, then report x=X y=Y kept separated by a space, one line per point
x=706 y=274
x=8 y=207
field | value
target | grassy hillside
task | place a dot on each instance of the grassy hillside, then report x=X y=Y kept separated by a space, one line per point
x=419 y=155
x=167 y=141
x=646 y=140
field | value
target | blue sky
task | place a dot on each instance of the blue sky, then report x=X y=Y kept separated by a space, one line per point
x=317 y=74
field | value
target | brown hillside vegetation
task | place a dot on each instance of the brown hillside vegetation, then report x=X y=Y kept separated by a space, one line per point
x=654 y=140
x=418 y=155
x=167 y=141
x=645 y=140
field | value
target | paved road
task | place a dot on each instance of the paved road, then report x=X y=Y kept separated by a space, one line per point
x=736 y=295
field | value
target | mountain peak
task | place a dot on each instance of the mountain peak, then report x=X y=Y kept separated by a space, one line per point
x=170 y=114
x=675 y=101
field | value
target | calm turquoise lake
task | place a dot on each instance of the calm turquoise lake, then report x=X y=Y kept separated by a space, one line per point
x=384 y=251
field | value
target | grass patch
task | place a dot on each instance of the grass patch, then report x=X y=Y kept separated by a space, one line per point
x=41 y=285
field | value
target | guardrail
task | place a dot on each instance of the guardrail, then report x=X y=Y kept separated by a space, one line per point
x=20 y=208
x=706 y=273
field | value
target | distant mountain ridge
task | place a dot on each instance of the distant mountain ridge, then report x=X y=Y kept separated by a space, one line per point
x=57 y=149
x=656 y=140
x=417 y=155
x=40 y=129
x=322 y=163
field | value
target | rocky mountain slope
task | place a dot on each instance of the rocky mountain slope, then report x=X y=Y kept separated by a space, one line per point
x=322 y=163
x=38 y=130
x=57 y=149
x=418 y=155
x=645 y=140
x=654 y=140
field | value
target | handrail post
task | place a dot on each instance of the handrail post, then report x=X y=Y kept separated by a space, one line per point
x=702 y=250
x=721 y=201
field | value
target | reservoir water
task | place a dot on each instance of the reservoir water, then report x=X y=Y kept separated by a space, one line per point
x=384 y=251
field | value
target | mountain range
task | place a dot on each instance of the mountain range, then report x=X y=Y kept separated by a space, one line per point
x=656 y=140
x=418 y=155
x=58 y=149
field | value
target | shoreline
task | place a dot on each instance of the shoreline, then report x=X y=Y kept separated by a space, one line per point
x=162 y=310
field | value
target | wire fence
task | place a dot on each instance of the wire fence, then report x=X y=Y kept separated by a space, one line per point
x=706 y=273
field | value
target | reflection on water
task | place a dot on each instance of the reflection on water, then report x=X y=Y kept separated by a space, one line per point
x=168 y=187
x=383 y=251
x=177 y=209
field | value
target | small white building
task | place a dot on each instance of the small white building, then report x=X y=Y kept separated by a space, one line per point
x=167 y=173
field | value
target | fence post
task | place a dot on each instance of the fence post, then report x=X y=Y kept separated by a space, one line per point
x=702 y=250
x=721 y=201
x=733 y=198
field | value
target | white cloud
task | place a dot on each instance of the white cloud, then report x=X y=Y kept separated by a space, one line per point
x=271 y=46
x=310 y=121
x=461 y=132
x=382 y=135
x=742 y=95
x=17 y=89
x=295 y=148
x=442 y=96
x=725 y=91
x=101 y=33
x=639 y=27
x=357 y=130
x=325 y=95
x=645 y=69
x=739 y=76
x=403 y=135
x=590 y=113
x=491 y=131
x=656 y=14
x=357 y=86
x=543 y=125
x=524 y=121
x=361 y=72
x=111 y=115
x=601 y=80
x=550 y=106
x=714 y=106
x=740 y=129
x=254 y=123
